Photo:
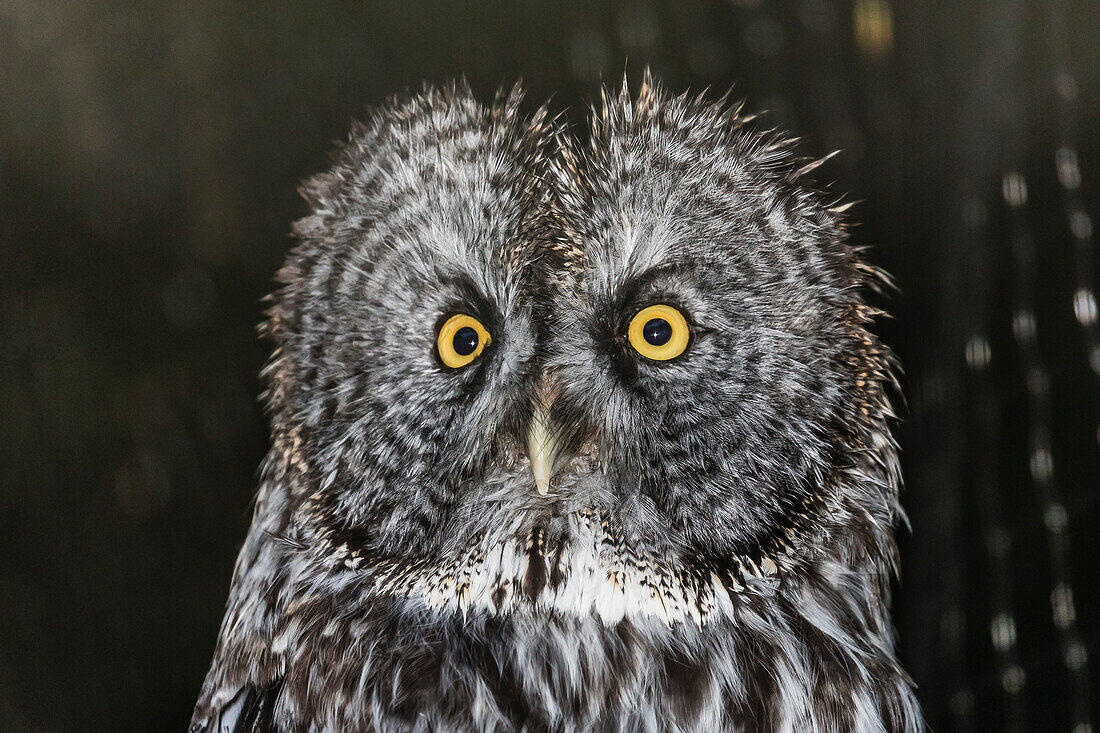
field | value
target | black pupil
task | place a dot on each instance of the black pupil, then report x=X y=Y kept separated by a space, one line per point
x=657 y=331
x=465 y=341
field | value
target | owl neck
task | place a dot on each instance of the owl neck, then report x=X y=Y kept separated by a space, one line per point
x=585 y=571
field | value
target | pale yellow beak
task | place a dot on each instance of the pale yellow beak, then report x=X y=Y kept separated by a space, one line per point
x=541 y=449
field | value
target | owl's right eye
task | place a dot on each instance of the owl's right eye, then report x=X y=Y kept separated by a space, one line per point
x=461 y=339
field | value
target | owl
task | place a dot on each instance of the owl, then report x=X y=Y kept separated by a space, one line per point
x=568 y=436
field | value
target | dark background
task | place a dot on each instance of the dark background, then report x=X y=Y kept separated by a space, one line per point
x=149 y=154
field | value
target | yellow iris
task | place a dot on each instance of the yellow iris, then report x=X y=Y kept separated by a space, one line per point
x=461 y=339
x=659 y=332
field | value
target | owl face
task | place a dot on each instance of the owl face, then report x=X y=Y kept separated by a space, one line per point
x=510 y=368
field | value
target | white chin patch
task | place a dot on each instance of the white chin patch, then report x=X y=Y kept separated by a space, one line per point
x=589 y=574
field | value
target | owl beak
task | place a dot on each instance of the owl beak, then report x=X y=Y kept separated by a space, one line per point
x=541 y=448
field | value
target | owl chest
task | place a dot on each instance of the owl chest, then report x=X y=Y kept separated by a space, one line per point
x=545 y=674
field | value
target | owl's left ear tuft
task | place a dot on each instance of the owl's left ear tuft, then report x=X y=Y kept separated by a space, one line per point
x=798 y=173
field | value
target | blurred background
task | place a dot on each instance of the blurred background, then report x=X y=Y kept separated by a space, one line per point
x=149 y=154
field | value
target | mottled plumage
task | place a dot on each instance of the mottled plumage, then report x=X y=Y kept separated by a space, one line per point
x=566 y=534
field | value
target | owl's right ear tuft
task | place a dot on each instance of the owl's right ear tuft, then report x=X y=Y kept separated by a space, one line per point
x=649 y=96
x=506 y=103
x=308 y=227
x=319 y=190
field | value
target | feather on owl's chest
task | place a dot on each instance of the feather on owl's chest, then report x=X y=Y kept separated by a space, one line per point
x=396 y=664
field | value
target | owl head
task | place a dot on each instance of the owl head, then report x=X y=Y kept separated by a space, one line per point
x=506 y=359
x=592 y=434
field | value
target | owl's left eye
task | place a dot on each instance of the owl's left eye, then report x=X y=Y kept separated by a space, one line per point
x=461 y=339
x=659 y=332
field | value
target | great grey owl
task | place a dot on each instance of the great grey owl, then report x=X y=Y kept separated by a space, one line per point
x=568 y=437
